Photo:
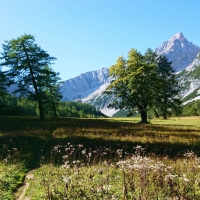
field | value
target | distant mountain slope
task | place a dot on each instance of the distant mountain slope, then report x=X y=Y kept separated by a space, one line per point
x=89 y=88
x=178 y=50
x=190 y=81
x=84 y=84
x=101 y=100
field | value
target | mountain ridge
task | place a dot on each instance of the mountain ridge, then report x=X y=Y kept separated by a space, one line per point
x=84 y=84
x=178 y=50
x=89 y=87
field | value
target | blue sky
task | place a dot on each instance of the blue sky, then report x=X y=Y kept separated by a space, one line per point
x=87 y=35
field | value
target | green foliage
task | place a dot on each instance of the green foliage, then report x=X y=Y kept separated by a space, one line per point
x=51 y=90
x=9 y=105
x=27 y=107
x=12 y=105
x=12 y=176
x=167 y=99
x=3 y=82
x=192 y=108
x=8 y=100
x=28 y=68
x=78 y=109
x=143 y=83
x=134 y=82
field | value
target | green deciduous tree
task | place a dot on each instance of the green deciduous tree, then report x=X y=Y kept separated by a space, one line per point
x=134 y=82
x=78 y=109
x=144 y=82
x=27 y=64
x=27 y=107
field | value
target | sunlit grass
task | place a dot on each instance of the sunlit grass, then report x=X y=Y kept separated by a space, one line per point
x=24 y=141
x=181 y=121
x=135 y=177
x=11 y=177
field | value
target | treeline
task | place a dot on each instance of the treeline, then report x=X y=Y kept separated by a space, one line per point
x=12 y=105
x=191 y=109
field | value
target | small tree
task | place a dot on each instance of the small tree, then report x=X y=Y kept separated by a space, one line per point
x=52 y=93
x=27 y=67
x=168 y=89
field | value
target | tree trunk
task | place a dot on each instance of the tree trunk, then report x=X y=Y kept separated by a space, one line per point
x=40 y=108
x=164 y=115
x=156 y=114
x=143 y=116
x=54 y=109
x=164 y=112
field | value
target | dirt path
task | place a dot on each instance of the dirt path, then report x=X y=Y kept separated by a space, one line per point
x=22 y=190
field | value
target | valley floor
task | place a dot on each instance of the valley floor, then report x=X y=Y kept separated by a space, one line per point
x=112 y=158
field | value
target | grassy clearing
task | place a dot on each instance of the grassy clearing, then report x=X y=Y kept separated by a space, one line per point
x=97 y=158
x=177 y=121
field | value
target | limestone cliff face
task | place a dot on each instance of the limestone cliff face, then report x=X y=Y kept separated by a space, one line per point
x=178 y=50
x=88 y=88
x=84 y=84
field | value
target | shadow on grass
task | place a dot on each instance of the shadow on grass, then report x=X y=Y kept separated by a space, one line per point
x=32 y=150
x=29 y=140
x=22 y=149
x=112 y=150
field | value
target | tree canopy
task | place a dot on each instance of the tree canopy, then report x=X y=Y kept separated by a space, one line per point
x=168 y=89
x=51 y=90
x=140 y=84
x=29 y=68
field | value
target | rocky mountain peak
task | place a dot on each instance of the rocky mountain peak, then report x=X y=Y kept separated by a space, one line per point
x=178 y=50
x=178 y=36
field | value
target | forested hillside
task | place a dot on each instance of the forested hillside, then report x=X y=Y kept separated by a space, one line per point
x=192 y=109
x=12 y=105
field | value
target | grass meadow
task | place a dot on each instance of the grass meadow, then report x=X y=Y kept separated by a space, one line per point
x=111 y=158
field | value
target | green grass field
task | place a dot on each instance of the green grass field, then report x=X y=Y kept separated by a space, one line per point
x=111 y=158
x=185 y=121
